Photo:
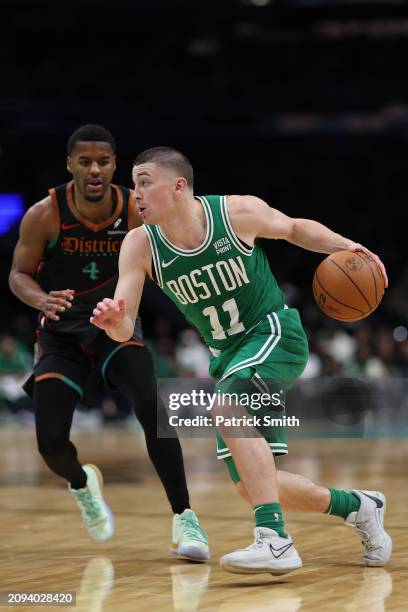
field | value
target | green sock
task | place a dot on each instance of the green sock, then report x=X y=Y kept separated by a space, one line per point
x=270 y=515
x=342 y=503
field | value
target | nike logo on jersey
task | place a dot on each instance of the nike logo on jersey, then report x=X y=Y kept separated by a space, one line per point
x=166 y=264
x=117 y=222
x=281 y=551
x=64 y=226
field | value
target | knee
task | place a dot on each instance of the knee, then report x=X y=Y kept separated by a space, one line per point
x=141 y=398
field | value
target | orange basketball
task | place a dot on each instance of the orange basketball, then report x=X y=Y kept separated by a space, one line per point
x=348 y=286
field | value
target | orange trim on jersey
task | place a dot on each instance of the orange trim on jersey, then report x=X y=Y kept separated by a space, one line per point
x=131 y=343
x=48 y=375
x=54 y=202
x=96 y=227
x=62 y=378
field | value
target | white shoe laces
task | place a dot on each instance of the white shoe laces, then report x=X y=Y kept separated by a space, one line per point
x=259 y=542
x=368 y=542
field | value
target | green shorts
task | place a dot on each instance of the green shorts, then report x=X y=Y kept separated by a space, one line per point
x=268 y=360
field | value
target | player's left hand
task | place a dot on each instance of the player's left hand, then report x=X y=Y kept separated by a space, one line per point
x=108 y=314
x=355 y=247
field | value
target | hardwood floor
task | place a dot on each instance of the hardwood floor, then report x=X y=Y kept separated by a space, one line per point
x=44 y=546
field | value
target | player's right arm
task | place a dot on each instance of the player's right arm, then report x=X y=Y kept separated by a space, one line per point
x=252 y=218
x=39 y=225
x=117 y=317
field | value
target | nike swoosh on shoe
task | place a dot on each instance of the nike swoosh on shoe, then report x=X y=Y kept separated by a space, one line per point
x=378 y=502
x=281 y=551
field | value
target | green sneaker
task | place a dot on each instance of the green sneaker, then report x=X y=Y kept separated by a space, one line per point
x=95 y=513
x=190 y=541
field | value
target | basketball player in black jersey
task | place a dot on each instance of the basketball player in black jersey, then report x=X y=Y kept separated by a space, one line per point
x=65 y=261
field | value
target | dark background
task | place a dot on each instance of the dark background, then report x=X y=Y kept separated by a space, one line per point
x=303 y=103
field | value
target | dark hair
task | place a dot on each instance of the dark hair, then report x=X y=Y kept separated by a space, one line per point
x=90 y=133
x=169 y=158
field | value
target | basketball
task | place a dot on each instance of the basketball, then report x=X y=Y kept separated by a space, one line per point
x=348 y=286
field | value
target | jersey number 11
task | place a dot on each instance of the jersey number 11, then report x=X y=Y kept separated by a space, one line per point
x=218 y=333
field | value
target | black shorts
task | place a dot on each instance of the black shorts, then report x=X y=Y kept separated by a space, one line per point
x=72 y=359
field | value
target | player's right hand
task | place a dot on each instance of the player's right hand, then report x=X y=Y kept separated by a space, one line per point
x=359 y=247
x=109 y=313
x=57 y=301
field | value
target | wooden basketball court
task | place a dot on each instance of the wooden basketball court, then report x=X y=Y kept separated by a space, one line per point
x=44 y=546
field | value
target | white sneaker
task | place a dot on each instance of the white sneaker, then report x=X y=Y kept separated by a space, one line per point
x=269 y=553
x=190 y=541
x=369 y=524
x=95 y=513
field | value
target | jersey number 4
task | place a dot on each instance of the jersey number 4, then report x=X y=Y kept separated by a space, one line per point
x=91 y=269
x=218 y=333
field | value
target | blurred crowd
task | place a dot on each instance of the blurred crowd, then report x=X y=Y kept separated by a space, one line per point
x=364 y=349
x=310 y=129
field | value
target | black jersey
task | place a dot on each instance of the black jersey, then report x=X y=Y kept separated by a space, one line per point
x=84 y=257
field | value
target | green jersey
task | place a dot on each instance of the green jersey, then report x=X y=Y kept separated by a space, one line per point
x=223 y=287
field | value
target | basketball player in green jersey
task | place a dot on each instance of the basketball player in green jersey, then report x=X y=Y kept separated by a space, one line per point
x=202 y=252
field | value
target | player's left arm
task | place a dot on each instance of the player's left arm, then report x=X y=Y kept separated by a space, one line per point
x=252 y=218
